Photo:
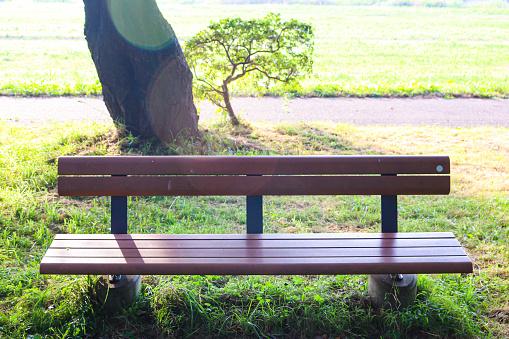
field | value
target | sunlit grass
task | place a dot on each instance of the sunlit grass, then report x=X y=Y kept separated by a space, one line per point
x=479 y=156
x=31 y=213
x=359 y=51
x=40 y=67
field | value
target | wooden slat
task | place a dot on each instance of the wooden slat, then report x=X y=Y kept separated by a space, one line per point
x=262 y=243
x=312 y=252
x=255 y=266
x=264 y=236
x=251 y=165
x=253 y=185
x=255 y=254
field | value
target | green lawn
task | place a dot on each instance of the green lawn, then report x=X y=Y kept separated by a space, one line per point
x=454 y=306
x=359 y=51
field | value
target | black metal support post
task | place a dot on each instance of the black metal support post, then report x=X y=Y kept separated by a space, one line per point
x=254 y=214
x=389 y=213
x=119 y=215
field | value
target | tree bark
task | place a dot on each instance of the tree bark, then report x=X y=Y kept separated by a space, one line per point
x=146 y=81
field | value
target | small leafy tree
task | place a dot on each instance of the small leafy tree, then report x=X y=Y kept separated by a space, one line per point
x=261 y=50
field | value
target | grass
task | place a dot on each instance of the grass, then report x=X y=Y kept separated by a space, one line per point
x=359 y=51
x=456 y=306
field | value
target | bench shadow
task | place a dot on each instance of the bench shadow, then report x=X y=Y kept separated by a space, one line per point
x=129 y=249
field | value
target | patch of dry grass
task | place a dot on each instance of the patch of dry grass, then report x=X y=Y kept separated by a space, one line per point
x=479 y=156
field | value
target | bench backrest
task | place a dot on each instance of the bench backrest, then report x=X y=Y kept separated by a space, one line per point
x=254 y=176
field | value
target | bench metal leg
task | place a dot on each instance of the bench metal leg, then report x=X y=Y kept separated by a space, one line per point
x=393 y=291
x=120 y=293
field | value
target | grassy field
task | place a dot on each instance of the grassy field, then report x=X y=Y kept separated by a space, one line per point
x=453 y=306
x=359 y=51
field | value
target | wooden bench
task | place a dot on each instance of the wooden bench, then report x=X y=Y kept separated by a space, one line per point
x=388 y=252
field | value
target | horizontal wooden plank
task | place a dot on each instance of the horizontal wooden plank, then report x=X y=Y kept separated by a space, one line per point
x=262 y=243
x=255 y=266
x=252 y=165
x=253 y=185
x=312 y=252
x=266 y=236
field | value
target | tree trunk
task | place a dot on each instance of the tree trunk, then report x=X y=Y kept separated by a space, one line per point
x=228 y=104
x=146 y=81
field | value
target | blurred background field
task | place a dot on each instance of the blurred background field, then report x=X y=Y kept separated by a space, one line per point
x=377 y=50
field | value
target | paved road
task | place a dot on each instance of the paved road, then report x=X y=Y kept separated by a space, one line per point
x=372 y=111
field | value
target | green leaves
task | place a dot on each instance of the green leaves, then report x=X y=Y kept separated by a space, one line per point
x=259 y=50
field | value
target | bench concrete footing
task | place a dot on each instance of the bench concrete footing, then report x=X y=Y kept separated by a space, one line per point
x=118 y=294
x=392 y=292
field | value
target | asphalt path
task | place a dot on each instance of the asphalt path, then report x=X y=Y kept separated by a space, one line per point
x=365 y=111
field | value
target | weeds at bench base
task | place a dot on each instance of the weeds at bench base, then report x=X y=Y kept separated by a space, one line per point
x=255 y=306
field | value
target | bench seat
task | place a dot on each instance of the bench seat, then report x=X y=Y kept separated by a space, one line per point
x=220 y=254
